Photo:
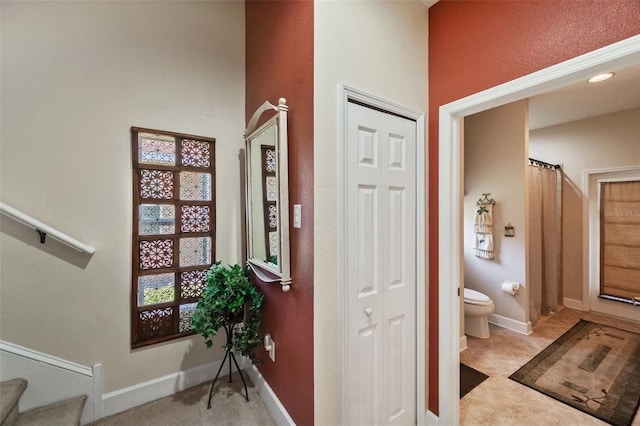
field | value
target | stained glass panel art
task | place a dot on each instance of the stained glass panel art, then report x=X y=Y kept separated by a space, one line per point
x=195 y=218
x=195 y=251
x=156 y=254
x=192 y=283
x=156 y=323
x=156 y=219
x=153 y=289
x=195 y=186
x=272 y=188
x=156 y=149
x=273 y=243
x=273 y=216
x=156 y=184
x=195 y=153
x=174 y=216
x=270 y=160
x=186 y=315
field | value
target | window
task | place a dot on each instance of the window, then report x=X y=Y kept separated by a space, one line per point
x=173 y=241
x=620 y=240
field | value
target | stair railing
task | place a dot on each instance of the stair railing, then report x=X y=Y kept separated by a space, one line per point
x=45 y=230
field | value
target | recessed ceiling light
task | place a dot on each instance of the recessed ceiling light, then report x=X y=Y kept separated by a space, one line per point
x=600 y=77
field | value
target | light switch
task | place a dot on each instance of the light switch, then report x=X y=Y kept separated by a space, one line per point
x=297 y=216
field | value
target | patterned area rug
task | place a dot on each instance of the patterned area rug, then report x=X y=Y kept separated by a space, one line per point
x=592 y=367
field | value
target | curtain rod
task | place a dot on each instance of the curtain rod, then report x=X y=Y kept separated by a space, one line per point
x=535 y=162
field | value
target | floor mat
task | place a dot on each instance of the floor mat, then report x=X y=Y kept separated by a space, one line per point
x=592 y=367
x=469 y=379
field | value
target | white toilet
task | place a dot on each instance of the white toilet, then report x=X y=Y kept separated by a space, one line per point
x=477 y=306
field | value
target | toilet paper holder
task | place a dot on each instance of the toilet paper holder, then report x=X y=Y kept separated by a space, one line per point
x=511 y=287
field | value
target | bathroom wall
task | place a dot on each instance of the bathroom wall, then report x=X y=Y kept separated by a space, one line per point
x=606 y=141
x=495 y=152
x=596 y=143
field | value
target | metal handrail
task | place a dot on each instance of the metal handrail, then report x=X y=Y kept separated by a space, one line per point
x=45 y=230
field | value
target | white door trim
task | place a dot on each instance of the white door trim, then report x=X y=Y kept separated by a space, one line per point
x=591 y=242
x=617 y=55
x=345 y=93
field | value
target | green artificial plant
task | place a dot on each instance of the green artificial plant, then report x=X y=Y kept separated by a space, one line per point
x=231 y=301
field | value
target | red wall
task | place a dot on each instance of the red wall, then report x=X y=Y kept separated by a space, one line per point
x=475 y=45
x=279 y=63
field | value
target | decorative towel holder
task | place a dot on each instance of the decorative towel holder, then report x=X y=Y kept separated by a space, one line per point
x=485 y=199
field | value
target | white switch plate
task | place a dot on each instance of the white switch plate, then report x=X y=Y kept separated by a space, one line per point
x=297 y=216
x=270 y=347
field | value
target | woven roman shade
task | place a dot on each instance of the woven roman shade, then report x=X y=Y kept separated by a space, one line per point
x=620 y=239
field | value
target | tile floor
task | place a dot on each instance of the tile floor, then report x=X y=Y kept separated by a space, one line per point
x=502 y=401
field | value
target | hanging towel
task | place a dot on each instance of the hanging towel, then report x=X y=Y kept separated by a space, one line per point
x=483 y=246
x=483 y=227
x=483 y=222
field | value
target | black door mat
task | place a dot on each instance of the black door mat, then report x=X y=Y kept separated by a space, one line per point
x=469 y=379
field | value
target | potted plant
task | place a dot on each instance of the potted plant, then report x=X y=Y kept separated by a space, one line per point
x=232 y=302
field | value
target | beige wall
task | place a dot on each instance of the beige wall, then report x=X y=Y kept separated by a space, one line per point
x=495 y=152
x=375 y=46
x=607 y=141
x=75 y=77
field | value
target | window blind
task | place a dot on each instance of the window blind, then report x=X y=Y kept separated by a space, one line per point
x=620 y=239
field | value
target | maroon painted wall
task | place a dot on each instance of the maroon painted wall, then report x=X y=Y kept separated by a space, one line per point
x=475 y=45
x=279 y=63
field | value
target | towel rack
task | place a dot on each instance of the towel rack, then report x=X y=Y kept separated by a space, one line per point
x=485 y=199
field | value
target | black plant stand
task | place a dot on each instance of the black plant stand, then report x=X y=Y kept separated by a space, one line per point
x=228 y=328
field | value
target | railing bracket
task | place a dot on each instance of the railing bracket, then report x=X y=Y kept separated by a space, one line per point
x=43 y=236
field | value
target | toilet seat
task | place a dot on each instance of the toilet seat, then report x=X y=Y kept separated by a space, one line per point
x=473 y=297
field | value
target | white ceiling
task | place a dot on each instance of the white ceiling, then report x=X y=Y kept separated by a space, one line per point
x=583 y=100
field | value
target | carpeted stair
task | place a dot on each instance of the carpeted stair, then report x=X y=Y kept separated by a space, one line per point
x=61 y=413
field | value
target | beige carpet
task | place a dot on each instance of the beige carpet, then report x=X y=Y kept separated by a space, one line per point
x=63 y=413
x=189 y=407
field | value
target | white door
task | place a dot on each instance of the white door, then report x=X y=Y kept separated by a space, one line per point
x=380 y=309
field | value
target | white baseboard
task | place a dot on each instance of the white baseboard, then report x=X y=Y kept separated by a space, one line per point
x=511 y=324
x=573 y=304
x=274 y=406
x=463 y=342
x=51 y=379
x=432 y=419
x=141 y=393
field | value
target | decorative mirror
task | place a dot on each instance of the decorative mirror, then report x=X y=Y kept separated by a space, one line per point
x=267 y=192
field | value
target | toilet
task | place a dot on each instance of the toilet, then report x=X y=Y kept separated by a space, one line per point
x=477 y=306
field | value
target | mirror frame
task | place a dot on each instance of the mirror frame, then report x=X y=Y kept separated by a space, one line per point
x=265 y=271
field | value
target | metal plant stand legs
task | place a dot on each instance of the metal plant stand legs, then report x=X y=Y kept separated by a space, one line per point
x=228 y=328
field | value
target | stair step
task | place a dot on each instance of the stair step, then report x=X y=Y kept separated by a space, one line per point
x=10 y=393
x=62 y=413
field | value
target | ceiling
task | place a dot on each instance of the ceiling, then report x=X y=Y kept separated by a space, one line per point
x=583 y=100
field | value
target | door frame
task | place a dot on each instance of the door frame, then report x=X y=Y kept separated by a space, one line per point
x=345 y=94
x=591 y=241
x=450 y=142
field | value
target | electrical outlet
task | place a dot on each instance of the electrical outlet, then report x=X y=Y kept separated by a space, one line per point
x=270 y=347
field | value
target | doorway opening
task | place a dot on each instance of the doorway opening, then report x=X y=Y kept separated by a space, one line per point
x=619 y=55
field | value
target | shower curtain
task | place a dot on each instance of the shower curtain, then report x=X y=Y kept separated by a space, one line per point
x=545 y=241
